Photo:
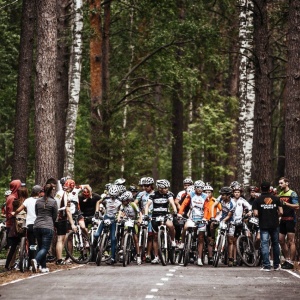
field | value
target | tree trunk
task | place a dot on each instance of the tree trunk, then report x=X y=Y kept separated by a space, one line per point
x=74 y=87
x=262 y=152
x=62 y=81
x=246 y=92
x=44 y=92
x=21 y=138
x=292 y=118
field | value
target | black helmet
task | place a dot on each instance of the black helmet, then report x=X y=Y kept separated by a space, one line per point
x=225 y=190
x=133 y=188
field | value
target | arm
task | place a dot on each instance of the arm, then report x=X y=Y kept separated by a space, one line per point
x=70 y=218
x=280 y=211
x=172 y=202
x=230 y=214
x=147 y=207
x=255 y=212
x=184 y=204
x=18 y=210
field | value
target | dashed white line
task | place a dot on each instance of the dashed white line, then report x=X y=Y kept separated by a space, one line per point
x=149 y=296
x=159 y=283
x=291 y=272
x=164 y=279
x=169 y=274
x=154 y=290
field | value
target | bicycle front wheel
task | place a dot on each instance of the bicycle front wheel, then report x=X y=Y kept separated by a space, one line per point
x=23 y=255
x=187 y=249
x=143 y=245
x=3 y=240
x=162 y=249
x=218 y=252
x=79 y=252
x=127 y=249
x=246 y=250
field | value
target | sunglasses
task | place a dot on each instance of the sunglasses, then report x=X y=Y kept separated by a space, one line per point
x=146 y=185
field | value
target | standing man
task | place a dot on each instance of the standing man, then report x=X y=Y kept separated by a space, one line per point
x=289 y=200
x=268 y=209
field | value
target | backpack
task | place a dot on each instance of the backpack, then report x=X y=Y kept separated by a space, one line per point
x=20 y=222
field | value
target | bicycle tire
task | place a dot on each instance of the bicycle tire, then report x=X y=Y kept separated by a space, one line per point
x=23 y=255
x=171 y=252
x=218 y=252
x=127 y=249
x=143 y=242
x=246 y=250
x=3 y=240
x=187 y=249
x=162 y=252
x=102 y=247
x=79 y=254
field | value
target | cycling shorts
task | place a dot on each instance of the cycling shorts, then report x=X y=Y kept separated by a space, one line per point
x=201 y=227
x=231 y=229
x=61 y=227
x=288 y=226
x=154 y=225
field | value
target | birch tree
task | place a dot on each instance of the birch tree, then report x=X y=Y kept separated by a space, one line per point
x=74 y=86
x=246 y=92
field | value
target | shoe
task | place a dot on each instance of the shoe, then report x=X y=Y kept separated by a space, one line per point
x=288 y=265
x=230 y=263
x=45 y=270
x=155 y=260
x=265 y=269
x=148 y=259
x=210 y=261
x=277 y=268
x=111 y=262
x=34 y=265
x=68 y=261
x=60 y=262
x=199 y=262
x=180 y=245
x=234 y=263
x=138 y=260
x=173 y=244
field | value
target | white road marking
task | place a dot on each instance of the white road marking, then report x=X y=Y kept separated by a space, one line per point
x=172 y=270
x=149 y=296
x=169 y=274
x=164 y=279
x=154 y=290
x=159 y=283
x=291 y=272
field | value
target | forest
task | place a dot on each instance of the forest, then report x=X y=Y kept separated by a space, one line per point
x=99 y=90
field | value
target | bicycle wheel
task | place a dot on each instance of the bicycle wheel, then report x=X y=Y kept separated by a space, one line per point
x=246 y=250
x=162 y=250
x=23 y=255
x=187 y=249
x=127 y=249
x=102 y=247
x=80 y=253
x=171 y=251
x=218 y=252
x=144 y=233
x=3 y=240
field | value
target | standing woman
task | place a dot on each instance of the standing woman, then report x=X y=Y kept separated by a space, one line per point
x=46 y=214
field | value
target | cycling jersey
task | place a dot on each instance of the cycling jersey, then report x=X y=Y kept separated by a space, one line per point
x=227 y=208
x=160 y=203
x=142 y=199
x=112 y=206
x=197 y=204
x=288 y=212
x=131 y=211
x=181 y=197
x=62 y=197
x=241 y=204
x=88 y=205
x=210 y=203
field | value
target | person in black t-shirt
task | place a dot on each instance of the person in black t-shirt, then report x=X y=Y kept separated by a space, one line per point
x=268 y=209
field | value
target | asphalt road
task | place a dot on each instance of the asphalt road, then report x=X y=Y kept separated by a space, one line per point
x=156 y=282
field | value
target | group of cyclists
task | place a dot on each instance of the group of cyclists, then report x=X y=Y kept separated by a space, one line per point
x=145 y=204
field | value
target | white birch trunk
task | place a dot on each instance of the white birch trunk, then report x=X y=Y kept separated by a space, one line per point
x=246 y=91
x=189 y=152
x=74 y=86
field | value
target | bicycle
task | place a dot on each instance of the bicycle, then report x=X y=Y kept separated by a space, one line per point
x=3 y=236
x=143 y=238
x=245 y=244
x=221 y=244
x=165 y=250
x=128 y=244
x=77 y=245
x=24 y=252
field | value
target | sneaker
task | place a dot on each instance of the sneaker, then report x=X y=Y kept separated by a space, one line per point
x=34 y=265
x=210 y=261
x=230 y=263
x=155 y=260
x=265 y=269
x=45 y=270
x=234 y=263
x=199 y=262
x=288 y=265
x=138 y=260
x=173 y=244
x=277 y=268
x=148 y=259
x=60 y=262
x=180 y=245
x=68 y=261
x=111 y=262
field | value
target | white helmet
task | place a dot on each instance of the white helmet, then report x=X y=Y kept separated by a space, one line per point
x=142 y=181
x=122 y=189
x=190 y=189
x=7 y=193
x=114 y=190
x=208 y=187
x=199 y=184
x=188 y=180
x=162 y=183
x=148 y=180
x=126 y=196
x=120 y=181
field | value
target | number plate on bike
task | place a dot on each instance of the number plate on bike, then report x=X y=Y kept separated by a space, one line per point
x=160 y=219
x=129 y=223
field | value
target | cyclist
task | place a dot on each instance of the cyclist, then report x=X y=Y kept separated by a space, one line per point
x=134 y=190
x=112 y=205
x=242 y=205
x=130 y=210
x=161 y=200
x=141 y=201
x=212 y=224
x=228 y=209
x=253 y=190
x=289 y=200
x=197 y=202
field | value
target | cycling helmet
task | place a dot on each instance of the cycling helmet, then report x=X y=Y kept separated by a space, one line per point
x=148 y=180
x=190 y=189
x=122 y=189
x=208 y=188
x=133 y=188
x=114 y=190
x=141 y=181
x=253 y=188
x=126 y=196
x=188 y=180
x=237 y=188
x=64 y=179
x=199 y=184
x=120 y=181
x=162 y=183
x=107 y=186
x=234 y=183
x=7 y=193
x=225 y=190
